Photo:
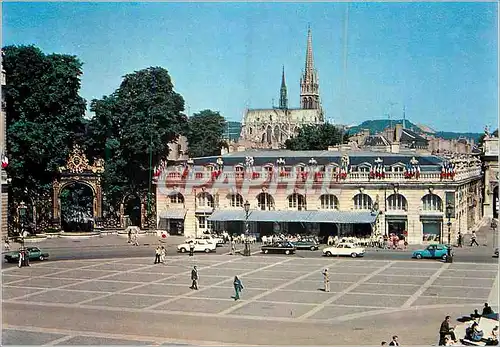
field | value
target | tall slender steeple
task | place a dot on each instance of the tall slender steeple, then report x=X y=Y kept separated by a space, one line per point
x=283 y=93
x=309 y=84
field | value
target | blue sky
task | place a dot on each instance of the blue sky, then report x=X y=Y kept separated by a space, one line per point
x=440 y=60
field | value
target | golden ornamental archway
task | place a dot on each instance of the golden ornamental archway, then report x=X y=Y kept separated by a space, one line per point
x=78 y=170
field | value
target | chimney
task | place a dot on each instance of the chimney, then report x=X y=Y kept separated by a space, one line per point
x=398 y=132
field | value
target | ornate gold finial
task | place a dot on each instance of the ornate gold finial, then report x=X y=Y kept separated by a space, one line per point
x=78 y=163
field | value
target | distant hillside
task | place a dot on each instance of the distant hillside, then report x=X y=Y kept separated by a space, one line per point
x=375 y=126
x=233 y=130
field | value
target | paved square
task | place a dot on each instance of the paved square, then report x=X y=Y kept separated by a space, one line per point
x=132 y=301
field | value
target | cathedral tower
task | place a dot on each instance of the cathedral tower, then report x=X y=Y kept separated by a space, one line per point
x=283 y=94
x=309 y=84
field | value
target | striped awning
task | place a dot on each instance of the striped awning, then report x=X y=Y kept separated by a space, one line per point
x=173 y=214
x=228 y=215
x=343 y=217
x=279 y=216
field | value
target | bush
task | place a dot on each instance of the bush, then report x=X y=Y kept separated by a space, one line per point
x=51 y=230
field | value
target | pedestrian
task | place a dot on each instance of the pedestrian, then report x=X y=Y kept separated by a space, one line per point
x=26 y=257
x=394 y=341
x=135 y=240
x=445 y=330
x=157 y=255
x=238 y=286
x=129 y=235
x=163 y=253
x=21 y=257
x=191 y=248
x=6 y=244
x=459 y=239
x=326 y=280
x=487 y=309
x=473 y=239
x=233 y=248
x=194 y=278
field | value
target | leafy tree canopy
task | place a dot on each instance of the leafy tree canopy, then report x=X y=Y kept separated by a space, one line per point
x=44 y=111
x=204 y=133
x=313 y=137
x=143 y=114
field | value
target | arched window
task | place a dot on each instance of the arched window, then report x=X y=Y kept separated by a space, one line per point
x=236 y=200
x=432 y=202
x=362 y=202
x=205 y=200
x=265 y=201
x=177 y=198
x=397 y=202
x=329 y=202
x=297 y=201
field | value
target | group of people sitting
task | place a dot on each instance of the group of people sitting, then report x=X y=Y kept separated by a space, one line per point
x=473 y=333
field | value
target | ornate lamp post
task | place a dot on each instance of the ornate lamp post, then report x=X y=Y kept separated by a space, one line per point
x=449 y=211
x=246 y=252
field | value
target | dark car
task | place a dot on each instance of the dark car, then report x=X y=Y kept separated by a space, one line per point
x=279 y=247
x=306 y=244
x=35 y=253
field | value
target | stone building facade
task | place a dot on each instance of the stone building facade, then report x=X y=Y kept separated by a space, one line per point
x=271 y=127
x=490 y=163
x=3 y=174
x=323 y=192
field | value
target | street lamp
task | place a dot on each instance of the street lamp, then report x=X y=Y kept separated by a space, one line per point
x=246 y=252
x=449 y=211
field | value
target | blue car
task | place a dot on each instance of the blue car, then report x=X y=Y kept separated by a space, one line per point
x=438 y=251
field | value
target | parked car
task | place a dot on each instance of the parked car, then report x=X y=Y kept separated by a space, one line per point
x=495 y=254
x=344 y=249
x=437 y=251
x=35 y=253
x=199 y=246
x=279 y=247
x=306 y=244
x=218 y=241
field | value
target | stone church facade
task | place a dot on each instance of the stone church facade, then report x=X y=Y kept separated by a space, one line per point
x=270 y=128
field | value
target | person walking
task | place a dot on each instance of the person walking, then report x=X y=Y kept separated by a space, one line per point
x=194 y=278
x=238 y=286
x=163 y=254
x=191 y=248
x=21 y=258
x=445 y=330
x=135 y=240
x=473 y=239
x=129 y=235
x=157 y=255
x=460 y=239
x=394 y=341
x=326 y=280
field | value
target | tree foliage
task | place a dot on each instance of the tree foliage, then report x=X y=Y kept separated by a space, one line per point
x=143 y=114
x=44 y=112
x=313 y=137
x=204 y=133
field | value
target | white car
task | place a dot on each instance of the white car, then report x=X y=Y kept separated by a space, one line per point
x=199 y=246
x=344 y=249
x=209 y=238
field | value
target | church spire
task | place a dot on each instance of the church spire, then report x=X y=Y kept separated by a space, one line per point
x=283 y=93
x=309 y=85
x=309 y=54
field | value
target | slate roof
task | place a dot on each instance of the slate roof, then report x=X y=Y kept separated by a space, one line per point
x=376 y=140
x=408 y=136
x=262 y=157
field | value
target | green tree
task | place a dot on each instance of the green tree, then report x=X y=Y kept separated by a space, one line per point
x=204 y=133
x=44 y=112
x=141 y=117
x=313 y=137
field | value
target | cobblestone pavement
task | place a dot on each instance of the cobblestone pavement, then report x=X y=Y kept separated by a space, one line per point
x=132 y=301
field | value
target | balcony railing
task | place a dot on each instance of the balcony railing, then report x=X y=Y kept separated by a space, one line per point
x=318 y=177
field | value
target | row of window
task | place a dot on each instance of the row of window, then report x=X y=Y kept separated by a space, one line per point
x=365 y=168
x=395 y=202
